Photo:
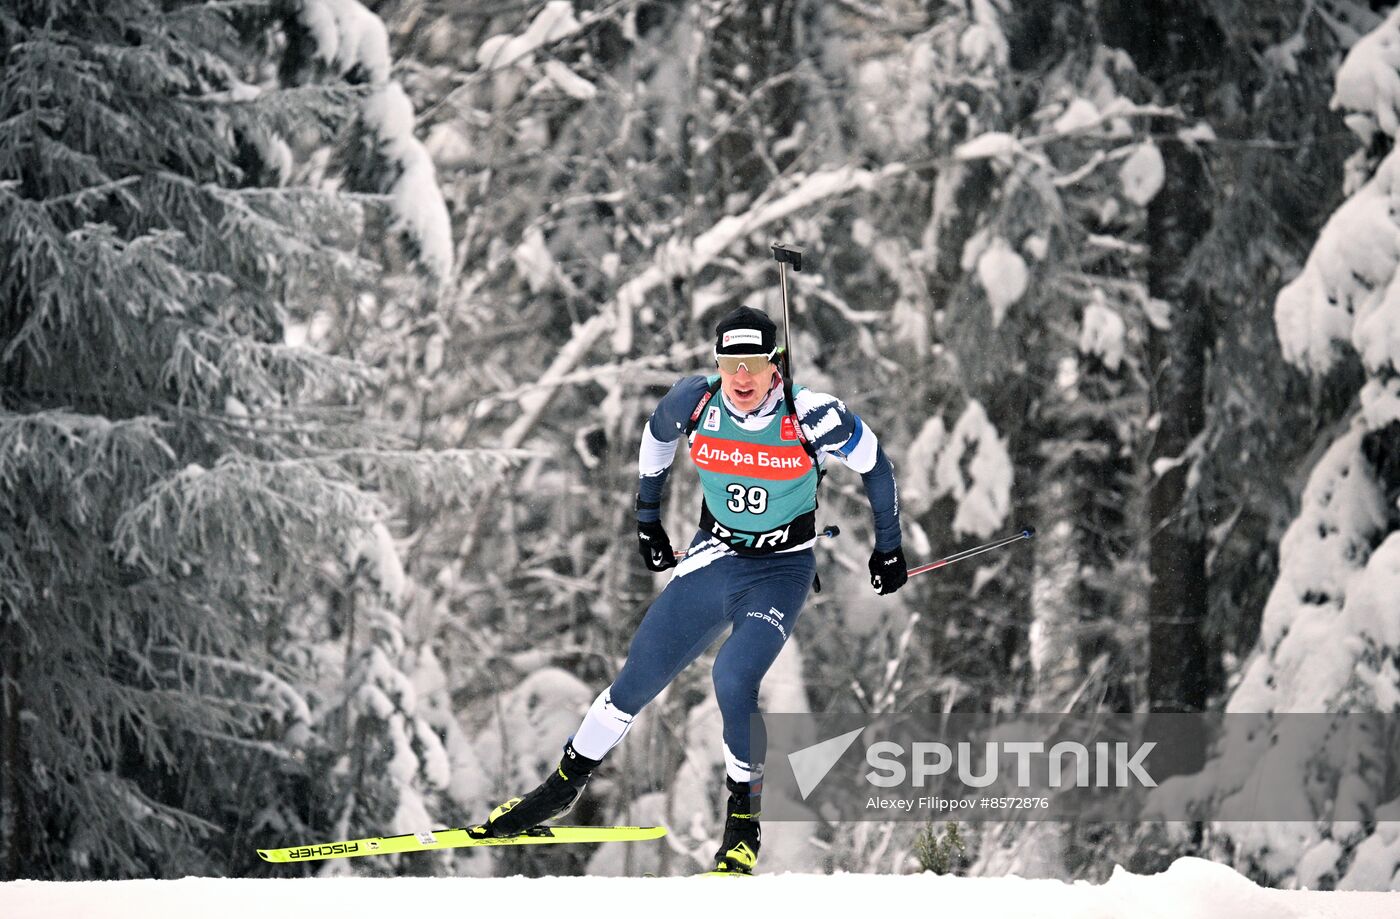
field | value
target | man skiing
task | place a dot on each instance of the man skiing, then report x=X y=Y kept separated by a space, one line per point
x=758 y=449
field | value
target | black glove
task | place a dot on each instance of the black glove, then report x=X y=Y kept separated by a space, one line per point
x=888 y=571
x=655 y=546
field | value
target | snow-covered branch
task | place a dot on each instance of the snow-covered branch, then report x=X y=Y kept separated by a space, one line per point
x=677 y=258
x=354 y=43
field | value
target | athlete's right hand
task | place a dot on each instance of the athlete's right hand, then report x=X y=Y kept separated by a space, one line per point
x=655 y=545
x=888 y=571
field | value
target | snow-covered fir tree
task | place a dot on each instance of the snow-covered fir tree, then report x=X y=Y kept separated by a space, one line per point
x=176 y=471
x=1328 y=640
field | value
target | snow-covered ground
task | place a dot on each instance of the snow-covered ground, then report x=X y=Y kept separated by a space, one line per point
x=1191 y=889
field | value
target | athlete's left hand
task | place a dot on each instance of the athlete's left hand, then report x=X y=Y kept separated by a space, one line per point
x=888 y=571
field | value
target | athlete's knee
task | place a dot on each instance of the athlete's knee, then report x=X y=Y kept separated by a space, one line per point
x=641 y=678
x=630 y=696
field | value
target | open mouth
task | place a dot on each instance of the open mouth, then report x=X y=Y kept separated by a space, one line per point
x=744 y=394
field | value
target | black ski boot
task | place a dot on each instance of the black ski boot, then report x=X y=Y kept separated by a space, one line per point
x=738 y=853
x=553 y=798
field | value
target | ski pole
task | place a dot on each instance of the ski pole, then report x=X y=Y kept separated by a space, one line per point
x=786 y=255
x=830 y=532
x=1027 y=533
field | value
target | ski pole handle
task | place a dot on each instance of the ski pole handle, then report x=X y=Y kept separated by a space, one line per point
x=830 y=532
x=1027 y=533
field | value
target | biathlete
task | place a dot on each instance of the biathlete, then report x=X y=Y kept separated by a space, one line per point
x=758 y=446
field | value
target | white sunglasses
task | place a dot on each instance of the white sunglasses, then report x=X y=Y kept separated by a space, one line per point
x=753 y=363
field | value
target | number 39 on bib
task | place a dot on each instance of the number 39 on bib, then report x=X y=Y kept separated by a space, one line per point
x=754 y=500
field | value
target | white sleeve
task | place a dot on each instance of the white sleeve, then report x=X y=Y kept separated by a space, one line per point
x=861 y=450
x=656 y=455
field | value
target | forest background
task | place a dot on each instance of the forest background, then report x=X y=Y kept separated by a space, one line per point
x=327 y=331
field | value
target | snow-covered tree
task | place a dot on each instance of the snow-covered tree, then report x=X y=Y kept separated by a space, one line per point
x=1328 y=640
x=1048 y=325
x=176 y=471
x=380 y=763
x=1233 y=75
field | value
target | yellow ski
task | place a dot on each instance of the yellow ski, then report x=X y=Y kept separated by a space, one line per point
x=433 y=840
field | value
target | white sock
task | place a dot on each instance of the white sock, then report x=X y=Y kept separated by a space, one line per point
x=740 y=771
x=602 y=728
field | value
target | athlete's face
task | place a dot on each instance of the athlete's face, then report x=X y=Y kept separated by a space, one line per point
x=746 y=390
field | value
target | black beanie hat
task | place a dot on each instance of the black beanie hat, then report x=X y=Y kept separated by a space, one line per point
x=746 y=331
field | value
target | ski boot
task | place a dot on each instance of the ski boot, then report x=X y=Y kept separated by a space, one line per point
x=738 y=853
x=554 y=797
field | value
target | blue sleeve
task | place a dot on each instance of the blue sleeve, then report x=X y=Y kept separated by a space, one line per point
x=673 y=412
x=667 y=424
x=883 y=495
